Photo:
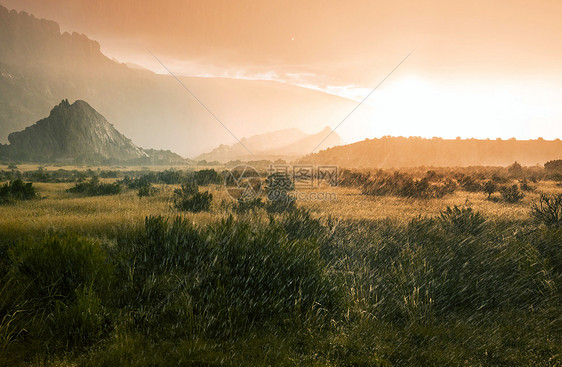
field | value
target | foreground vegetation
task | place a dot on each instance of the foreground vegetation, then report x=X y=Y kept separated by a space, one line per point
x=126 y=279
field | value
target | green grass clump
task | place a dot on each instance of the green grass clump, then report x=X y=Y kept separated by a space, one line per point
x=224 y=280
x=51 y=292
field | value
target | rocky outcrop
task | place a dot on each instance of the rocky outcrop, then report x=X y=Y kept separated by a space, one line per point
x=72 y=132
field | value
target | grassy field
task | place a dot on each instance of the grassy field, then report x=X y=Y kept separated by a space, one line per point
x=357 y=280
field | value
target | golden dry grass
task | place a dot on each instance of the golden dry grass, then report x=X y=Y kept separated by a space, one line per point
x=98 y=215
x=108 y=215
x=351 y=204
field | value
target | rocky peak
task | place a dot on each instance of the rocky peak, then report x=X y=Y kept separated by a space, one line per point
x=72 y=131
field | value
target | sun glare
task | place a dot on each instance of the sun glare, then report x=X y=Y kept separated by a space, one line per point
x=414 y=106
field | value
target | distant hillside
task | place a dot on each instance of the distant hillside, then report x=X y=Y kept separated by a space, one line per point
x=78 y=133
x=394 y=152
x=39 y=66
x=288 y=144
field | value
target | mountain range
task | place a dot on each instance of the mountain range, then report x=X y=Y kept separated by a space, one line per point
x=287 y=144
x=40 y=66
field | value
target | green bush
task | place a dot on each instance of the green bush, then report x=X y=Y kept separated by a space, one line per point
x=463 y=220
x=279 y=188
x=16 y=190
x=489 y=188
x=95 y=188
x=245 y=205
x=548 y=209
x=189 y=198
x=146 y=190
x=468 y=182
x=400 y=184
x=511 y=194
x=205 y=177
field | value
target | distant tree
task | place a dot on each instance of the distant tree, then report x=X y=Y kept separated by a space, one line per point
x=515 y=170
x=12 y=165
x=554 y=166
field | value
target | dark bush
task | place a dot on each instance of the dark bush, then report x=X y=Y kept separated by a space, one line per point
x=524 y=185
x=16 y=190
x=146 y=190
x=246 y=205
x=189 y=198
x=95 y=188
x=463 y=220
x=350 y=178
x=515 y=170
x=205 y=177
x=490 y=187
x=468 y=183
x=554 y=166
x=400 y=184
x=279 y=188
x=548 y=209
x=511 y=194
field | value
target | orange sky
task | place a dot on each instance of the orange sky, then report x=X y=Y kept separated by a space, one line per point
x=468 y=53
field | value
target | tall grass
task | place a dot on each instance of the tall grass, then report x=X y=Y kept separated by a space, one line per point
x=252 y=287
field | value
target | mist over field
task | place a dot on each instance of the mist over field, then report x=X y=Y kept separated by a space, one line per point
x=256 y=183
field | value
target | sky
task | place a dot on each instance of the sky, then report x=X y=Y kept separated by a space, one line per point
x=479 y=69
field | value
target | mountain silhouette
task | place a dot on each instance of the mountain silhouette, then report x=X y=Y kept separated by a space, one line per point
x=74 y=132
x=287 y=144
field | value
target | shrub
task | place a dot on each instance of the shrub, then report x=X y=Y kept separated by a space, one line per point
x=146 y=190
x=515 y=170
x=16 y=190
x=278 y=187
x=524 y=185
x=451 y=265
x=548 y=209
x=299 y=224
x=248 y=204
x=189 y=198
x=468 y=183
x=350 y=178
x=511 y=194
x=500 y=178
x=430 y=186
x=554 y=166
x=95 y=188
x=489 y=188
x=205 y=177
x=463 y=220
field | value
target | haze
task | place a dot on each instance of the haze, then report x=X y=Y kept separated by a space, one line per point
x=480 y=69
